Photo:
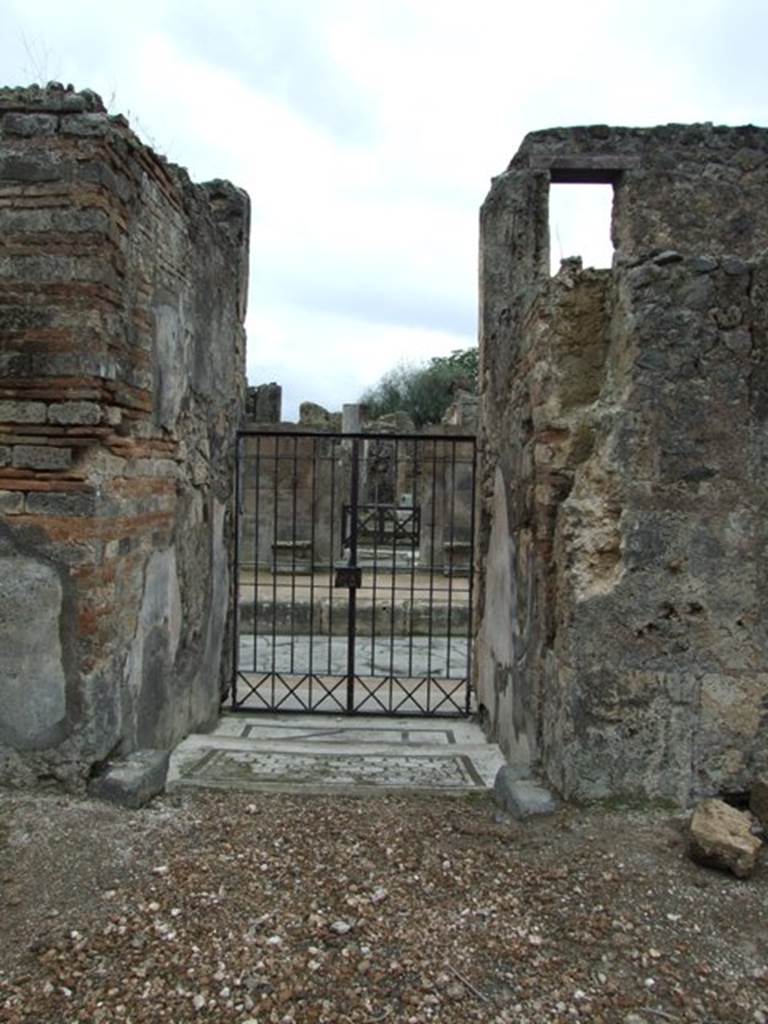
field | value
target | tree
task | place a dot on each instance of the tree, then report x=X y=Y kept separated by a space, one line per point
x=423 y=391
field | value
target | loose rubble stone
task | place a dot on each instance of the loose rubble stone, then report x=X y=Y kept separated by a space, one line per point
x=134 y=781
x=720 y=837
x=341 y=927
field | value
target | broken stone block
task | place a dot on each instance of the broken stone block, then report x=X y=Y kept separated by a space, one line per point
x=134 y=781
x=520 y=797
x=720 y=837
x=758 y=801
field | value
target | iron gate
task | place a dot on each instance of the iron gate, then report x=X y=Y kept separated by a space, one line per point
x=354 y=573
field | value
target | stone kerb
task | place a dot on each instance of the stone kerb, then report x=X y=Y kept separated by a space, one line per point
x=122 y=297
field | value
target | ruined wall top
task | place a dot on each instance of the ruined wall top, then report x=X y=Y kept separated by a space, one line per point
x=54 y=98
x=699 y=187
x=33 y=114
x=669 y=145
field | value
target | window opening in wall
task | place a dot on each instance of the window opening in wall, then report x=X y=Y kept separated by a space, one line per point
x=580 y=224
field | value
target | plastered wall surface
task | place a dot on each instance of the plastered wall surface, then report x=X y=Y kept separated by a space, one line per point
x=122 y=298
x=621 y=646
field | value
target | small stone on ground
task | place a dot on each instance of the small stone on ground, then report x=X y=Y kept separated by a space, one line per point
x=133 y=781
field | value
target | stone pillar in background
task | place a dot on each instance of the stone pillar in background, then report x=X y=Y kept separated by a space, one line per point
x=353 y=416
x=264 y=403
x=622 y=638
x=122 y=299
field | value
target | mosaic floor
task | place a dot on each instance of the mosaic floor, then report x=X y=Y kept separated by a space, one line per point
x=327 y=754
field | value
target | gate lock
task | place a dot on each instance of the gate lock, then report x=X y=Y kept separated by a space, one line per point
x=349 y=577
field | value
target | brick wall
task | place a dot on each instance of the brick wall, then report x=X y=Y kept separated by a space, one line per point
x=122 y=298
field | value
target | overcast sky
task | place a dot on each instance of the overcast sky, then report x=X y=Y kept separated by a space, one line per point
x=366 y=132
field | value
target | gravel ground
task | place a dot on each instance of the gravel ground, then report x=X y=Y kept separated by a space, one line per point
x=230 y=908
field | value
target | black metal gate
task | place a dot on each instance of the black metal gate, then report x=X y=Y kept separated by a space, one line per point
x=354 y=573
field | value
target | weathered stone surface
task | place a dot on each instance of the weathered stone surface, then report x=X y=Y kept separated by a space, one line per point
x=74 y=412
x=315 y=416
x=22 y=412
x=622 y=527
x=264 y=403
x=27 y=456
x=758 y=801
x=521 y=797
x=34 y=685
x=719 y=836
x=85 y=124
x=29 y=124
x=133 y=781
x=50 y=503
x=11 y=502
x=121 y=307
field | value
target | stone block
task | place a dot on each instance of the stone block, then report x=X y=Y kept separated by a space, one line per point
x=88 y=413
x=5 y=455
x=29 y=124
x=33 y=702
x=521 y=797
x=38 y=456
x=719 y=836
x=27 y=171
x=22 y=412
x=134 y=781
x=85 y=124
x=11 y=503
x=758 y=801
x=61 y=503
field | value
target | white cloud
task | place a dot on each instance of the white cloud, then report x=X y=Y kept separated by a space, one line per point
x=367 y=133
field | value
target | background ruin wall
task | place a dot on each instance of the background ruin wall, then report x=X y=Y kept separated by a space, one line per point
x=295 y=486
x=621 y=647
x=122 y=298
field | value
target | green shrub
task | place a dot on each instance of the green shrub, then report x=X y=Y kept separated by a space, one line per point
x=424 y=391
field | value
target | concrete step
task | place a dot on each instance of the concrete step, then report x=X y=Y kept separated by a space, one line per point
x=338 y=754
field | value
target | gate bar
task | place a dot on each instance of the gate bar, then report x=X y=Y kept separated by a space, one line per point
x=352 y=598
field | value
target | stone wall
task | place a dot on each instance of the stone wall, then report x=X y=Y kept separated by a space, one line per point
x=122 y=298
x=622 y=645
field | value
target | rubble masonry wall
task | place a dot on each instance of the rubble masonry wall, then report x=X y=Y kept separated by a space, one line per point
x=622 y=645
